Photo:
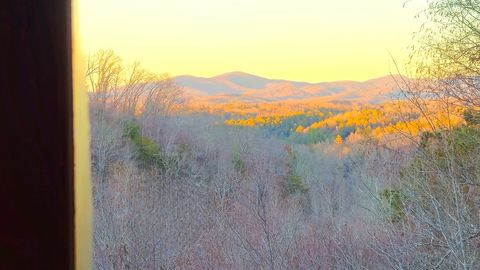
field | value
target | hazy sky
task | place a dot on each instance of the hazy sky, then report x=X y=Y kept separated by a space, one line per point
x=306 y=40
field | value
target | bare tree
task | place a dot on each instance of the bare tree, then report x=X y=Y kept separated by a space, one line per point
x=446 y=52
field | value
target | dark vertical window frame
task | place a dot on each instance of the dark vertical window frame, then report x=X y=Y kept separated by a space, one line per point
x=36 y=135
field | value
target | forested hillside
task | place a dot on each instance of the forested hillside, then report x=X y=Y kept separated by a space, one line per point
x=303 y=184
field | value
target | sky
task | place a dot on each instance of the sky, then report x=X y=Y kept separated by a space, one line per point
x=302 y=40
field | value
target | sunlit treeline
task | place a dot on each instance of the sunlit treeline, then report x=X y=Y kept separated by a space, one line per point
x=374 y=121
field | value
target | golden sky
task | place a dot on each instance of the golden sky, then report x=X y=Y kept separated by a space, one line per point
x=304 y=40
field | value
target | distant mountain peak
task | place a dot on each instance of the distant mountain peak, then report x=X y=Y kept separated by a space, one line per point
x=236 y=73
x=239 y=74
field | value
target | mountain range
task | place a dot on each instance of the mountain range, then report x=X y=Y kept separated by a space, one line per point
x=248 y=88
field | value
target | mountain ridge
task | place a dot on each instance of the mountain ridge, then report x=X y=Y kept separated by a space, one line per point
x=240 y=86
